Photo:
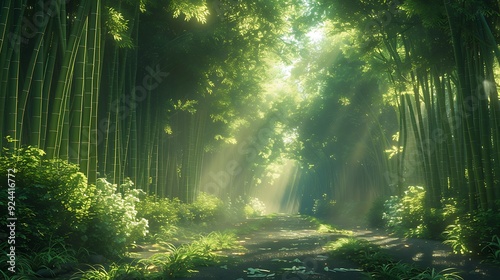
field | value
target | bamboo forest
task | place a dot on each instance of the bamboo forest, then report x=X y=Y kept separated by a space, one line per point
x=241 y=139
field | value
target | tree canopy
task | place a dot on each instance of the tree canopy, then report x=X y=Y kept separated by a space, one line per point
x=353 y=99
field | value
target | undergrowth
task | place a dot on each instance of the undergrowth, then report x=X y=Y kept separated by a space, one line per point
x=466 y=232
x=379 y=265
x=63 y=215
x=176 y=261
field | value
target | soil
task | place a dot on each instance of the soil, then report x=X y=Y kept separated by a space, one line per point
x=292 y=241
x=288 y=247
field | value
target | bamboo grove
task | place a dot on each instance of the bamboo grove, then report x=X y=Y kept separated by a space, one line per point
x=155 y=91
x=442 y=61
x=53 y=62
x=126 y=89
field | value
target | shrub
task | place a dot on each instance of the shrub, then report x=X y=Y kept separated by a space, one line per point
x=206 y=207
x=254 y=208
x=52 y=198
x=115 y=224
x=323 y=207
x=493 y=249
x=235 y=209
x=375 y=214
x=160 y=212
x=471 y=232
x=407 y=215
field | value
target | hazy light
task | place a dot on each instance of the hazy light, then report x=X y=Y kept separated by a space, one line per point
x=277 y=191
x=316 y=35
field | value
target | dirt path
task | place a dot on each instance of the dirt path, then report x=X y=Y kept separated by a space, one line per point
x=284 y=244
x=429 y=253
x=289 y=242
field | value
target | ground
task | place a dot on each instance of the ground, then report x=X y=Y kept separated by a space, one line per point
x=289 y=247
x=286 y=242
x=292 y=241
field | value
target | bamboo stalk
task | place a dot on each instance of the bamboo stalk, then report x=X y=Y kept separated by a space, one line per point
x=58 y=114
x=76 y=107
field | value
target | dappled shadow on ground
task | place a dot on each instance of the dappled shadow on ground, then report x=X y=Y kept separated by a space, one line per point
x=278 y=247
x=428 y=253
x=287 y=242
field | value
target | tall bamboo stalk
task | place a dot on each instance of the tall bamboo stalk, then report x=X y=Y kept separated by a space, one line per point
x=60 y=98
x=76 y=107
x=5 y=18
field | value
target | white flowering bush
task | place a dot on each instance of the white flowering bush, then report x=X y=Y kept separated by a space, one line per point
x=115 y=224
x=255 y=207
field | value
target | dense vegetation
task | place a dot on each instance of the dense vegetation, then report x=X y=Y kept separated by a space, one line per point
x=122 y=120
x=92 y=221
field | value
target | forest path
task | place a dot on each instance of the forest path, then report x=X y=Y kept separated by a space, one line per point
x=288 y=241
x=428 y=253
x=279 y=245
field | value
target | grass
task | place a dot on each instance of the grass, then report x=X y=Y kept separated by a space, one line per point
x=324 y=227
x=51 y=260
x=493 y=247
x=182 y=260
x=115 y=271
x=379 y=265
x=176 y=261
x=252 y=225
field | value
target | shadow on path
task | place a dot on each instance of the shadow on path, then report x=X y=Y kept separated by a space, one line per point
x=289 y=241
x=428 y=253
x=286 y=242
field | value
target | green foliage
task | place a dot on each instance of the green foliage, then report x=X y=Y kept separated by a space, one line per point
x=470 y=233
x=240 y=208
x=53 y=257
x=117 y=27
x=176 y=262
x=115 y=224
x=323 y=207
x=368 y=255
x=98 y=272
x=432 y=274
x=24 y=267
x=180 y=260
x=382 y=266
x=405 y=215
x=165 y=216
x=190 y=9
x=52 y=198
x=375 y=216
x=396 y=271
x=161 y=213
x=493 y=247
x=408 y=216
x=254 y=208
x=206 y=208
x=235 y=209
x=216 y=240
x=327 y=228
